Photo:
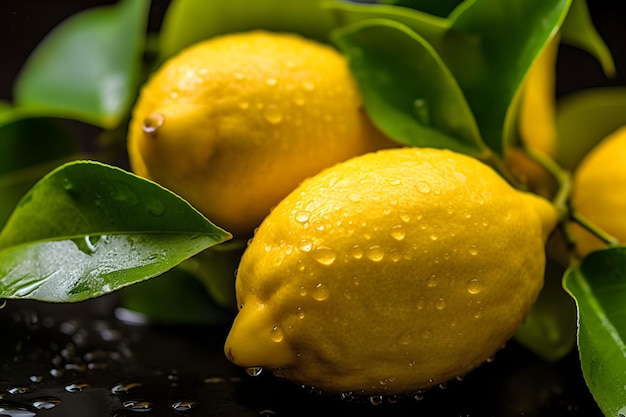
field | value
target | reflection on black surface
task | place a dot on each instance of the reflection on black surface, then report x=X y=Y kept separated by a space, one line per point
x=79 y=360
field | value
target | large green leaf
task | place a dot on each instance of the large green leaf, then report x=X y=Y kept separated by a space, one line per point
x=88 y=67
x=586 y=117
x=189 y=21
x=578 y=30
x=487 y=45
x=490 y=47
x=87 y=229
x=599 y=288
x=406 y=88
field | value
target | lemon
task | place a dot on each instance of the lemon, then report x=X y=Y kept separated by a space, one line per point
x=234 y=123
x=597 y=192
x=537 y=119
x=390 y=272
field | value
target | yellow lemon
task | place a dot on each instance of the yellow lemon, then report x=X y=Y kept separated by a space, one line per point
x=234 y=123
x=537 y=120
x=598 y=192
x=390 y=272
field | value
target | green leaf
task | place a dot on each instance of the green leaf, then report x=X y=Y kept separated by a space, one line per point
x=87 y=229
x=176 y=297
x=28 y=142
x=579 y=30
x=586 y=117
x=550 y=328
x=599 y=287
x=422 y=105
x=489 y=48
x=29 y=149
x=216 y=269
x=88 y=67
x=187 y=22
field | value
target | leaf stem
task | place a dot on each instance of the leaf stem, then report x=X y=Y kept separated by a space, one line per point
x=594 y=229
x=562 y=177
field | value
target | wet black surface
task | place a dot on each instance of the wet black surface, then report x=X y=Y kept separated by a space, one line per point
x=80 y=360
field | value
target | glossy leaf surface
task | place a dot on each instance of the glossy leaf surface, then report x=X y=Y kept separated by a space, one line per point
x=87 y=229
x=88 y=67
x=422 y=104
x=599 y=287
x=187 y=22
x=486 y=45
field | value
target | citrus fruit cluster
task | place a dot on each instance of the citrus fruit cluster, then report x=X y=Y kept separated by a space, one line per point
x=378 y=271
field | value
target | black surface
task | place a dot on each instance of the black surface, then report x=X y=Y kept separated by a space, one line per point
x=92 y=364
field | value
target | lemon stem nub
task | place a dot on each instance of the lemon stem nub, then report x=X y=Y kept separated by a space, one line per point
x=152 y=123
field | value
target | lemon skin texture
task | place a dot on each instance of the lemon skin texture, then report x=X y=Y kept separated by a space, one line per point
x=537 y=119
x=234 y=123
x=388 y=273
x=598 y=193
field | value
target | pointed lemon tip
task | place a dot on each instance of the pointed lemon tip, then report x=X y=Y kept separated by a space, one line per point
x=546 y=211
x=255 y=340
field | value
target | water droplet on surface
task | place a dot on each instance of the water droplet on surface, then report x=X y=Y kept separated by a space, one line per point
x=375 y=253
x=152 y=123
x=473 y=286
x=182 y=406
x=473 y=250
x=140 y=406
x=433 y=237
x=320 y=292
x=432 y=281
x=440 y=304
x=124 y=388
x=423 y=187
x=356 y=252
x=155 y=207
x=404 y=216
x=324 y=255
x=19 y=390
x=305 y=245
x=88 y=245
x=276 y=334
x=254 y=370
x=302 y=216
x=422 y=111
x=272 y=114
x=45 y=403
x=398 y=232
x=76 y=388
x=426 y=334
x=376 y=399
x=15 y=410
